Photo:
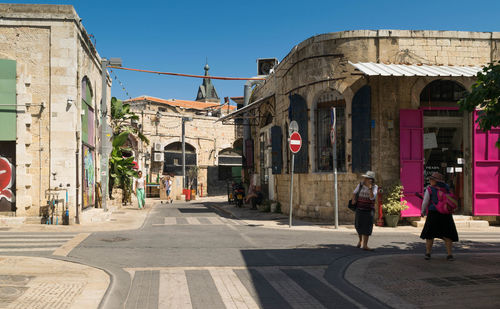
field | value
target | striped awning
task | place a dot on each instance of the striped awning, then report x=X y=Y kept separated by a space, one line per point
x=382 y=69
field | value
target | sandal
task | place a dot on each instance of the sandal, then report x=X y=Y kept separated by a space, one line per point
x=427 y=256
x=368 y=249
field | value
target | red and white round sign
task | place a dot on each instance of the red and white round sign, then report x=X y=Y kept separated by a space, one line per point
x=295 y=142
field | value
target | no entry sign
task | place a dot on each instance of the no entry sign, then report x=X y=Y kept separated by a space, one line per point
x=295 y=142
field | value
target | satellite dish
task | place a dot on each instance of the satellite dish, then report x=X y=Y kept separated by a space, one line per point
x=293 y=127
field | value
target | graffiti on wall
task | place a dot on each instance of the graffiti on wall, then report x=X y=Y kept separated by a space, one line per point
x=88 y=177
x=7 y=197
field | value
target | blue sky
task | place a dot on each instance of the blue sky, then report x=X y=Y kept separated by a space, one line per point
x=177 y=36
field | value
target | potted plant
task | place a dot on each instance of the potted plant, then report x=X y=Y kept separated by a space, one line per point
x=193 y=176
x=393 y=204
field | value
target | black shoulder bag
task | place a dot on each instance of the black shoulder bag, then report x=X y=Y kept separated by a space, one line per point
x=351 y=205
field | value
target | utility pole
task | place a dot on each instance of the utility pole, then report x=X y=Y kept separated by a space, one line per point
x=106 y=132
x=184 y=119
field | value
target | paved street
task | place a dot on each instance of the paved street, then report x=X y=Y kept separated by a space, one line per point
x=187 y=255
x=207 y=254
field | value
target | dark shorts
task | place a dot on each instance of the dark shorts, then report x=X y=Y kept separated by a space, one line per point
x=168 y=192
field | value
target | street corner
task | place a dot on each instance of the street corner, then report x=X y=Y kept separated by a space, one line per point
x=409 y=281
x=34 y=282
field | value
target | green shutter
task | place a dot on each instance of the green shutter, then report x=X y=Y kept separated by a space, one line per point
x=7 y=100
x=85 y=123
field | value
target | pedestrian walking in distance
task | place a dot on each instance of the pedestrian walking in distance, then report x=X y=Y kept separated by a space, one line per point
x=168 y=188
x=139 y=191
x=437 y=225
x=364 y=197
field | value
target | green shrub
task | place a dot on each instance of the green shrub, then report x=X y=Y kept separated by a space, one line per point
x=393 y=202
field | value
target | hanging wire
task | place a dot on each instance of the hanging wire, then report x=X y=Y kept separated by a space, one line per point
x=187 y=75
x=120 y=83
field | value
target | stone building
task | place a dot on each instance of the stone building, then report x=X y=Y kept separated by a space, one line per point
x=395 y=95
x=50 y=92
x=210 y=146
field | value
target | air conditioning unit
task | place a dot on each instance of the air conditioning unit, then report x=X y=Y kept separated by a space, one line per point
x=158 y=157
x=265 y=65
x=157 y=147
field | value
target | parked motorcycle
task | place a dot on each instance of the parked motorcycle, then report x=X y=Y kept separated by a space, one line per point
x=238 y=194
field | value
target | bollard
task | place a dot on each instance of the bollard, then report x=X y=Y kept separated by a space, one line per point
x=380 y=220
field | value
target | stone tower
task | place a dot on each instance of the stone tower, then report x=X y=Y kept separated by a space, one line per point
x=206 y=91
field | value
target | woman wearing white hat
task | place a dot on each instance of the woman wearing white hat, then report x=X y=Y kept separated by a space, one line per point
x=364 y=196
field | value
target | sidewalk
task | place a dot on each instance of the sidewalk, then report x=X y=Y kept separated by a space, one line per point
x=409 y=281
x=116 y=219
x=280 y=221
x=33 y=282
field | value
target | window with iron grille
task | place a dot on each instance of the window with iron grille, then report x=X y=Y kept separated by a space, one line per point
x=324 y=150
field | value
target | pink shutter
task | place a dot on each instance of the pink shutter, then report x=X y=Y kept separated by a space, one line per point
x=411 y=155
x=486 y=172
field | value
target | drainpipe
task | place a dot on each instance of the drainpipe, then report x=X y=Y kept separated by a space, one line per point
x=246 y=99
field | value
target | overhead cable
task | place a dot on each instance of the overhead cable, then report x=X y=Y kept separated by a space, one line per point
x=187 y=75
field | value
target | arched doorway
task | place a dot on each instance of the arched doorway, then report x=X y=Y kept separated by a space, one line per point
x=172 y=164
x=444 y=133
x=228 y=169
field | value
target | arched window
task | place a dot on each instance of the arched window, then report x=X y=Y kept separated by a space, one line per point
x=88 y=144
x=173 y=158
x=324 y=150
x=442 y=93
x=361 y=130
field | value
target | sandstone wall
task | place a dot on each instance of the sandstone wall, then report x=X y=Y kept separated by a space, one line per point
x=321 y=64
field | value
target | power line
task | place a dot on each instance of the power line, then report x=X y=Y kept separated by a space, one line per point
x=188 y=75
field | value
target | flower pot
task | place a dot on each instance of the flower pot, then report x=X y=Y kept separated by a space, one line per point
x=391 y=220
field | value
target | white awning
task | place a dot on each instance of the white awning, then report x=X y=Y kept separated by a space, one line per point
x=381 y=69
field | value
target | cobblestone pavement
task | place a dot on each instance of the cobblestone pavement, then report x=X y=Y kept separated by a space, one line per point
x=34 y=282
x=409 y=281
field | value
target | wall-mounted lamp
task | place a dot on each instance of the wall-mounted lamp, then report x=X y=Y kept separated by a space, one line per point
x=69 y=102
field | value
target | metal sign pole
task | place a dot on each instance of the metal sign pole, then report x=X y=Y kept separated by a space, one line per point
x=335 y=184
x=291 y=191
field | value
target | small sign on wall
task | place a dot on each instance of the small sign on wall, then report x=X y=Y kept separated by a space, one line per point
x=430 y=141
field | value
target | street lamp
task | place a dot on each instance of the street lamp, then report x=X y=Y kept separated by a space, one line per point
x=105 y=128
x=184 y=119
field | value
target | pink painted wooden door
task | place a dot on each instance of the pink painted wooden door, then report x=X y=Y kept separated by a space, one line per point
x=486 y=172
x=411 y=155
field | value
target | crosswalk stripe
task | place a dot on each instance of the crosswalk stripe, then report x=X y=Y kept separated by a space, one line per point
x=193 y=220
x=36 y=236
x=174 y=291
x=34 y=240
x=481 y=239
x=170 y=220
x=214 y=220
x=231 y=290
x=30 y=245
x=319 y=273
x=27 y=249
x=289 y=290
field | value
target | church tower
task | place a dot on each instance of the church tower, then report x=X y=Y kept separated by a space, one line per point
x=206 y=91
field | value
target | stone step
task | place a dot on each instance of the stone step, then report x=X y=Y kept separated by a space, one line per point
x=33 y=220
x=458 y=223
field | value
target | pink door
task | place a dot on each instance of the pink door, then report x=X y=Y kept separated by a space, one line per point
x=411 y=156
x=486 y=171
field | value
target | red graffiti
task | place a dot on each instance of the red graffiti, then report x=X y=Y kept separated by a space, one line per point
x=6 y=180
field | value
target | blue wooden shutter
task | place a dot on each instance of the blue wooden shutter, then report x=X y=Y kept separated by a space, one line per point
x=298 y=112
x=361 y=130
x=276 y=142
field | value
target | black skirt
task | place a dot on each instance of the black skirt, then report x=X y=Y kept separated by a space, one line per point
x=438 y=225
x=364 y=221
